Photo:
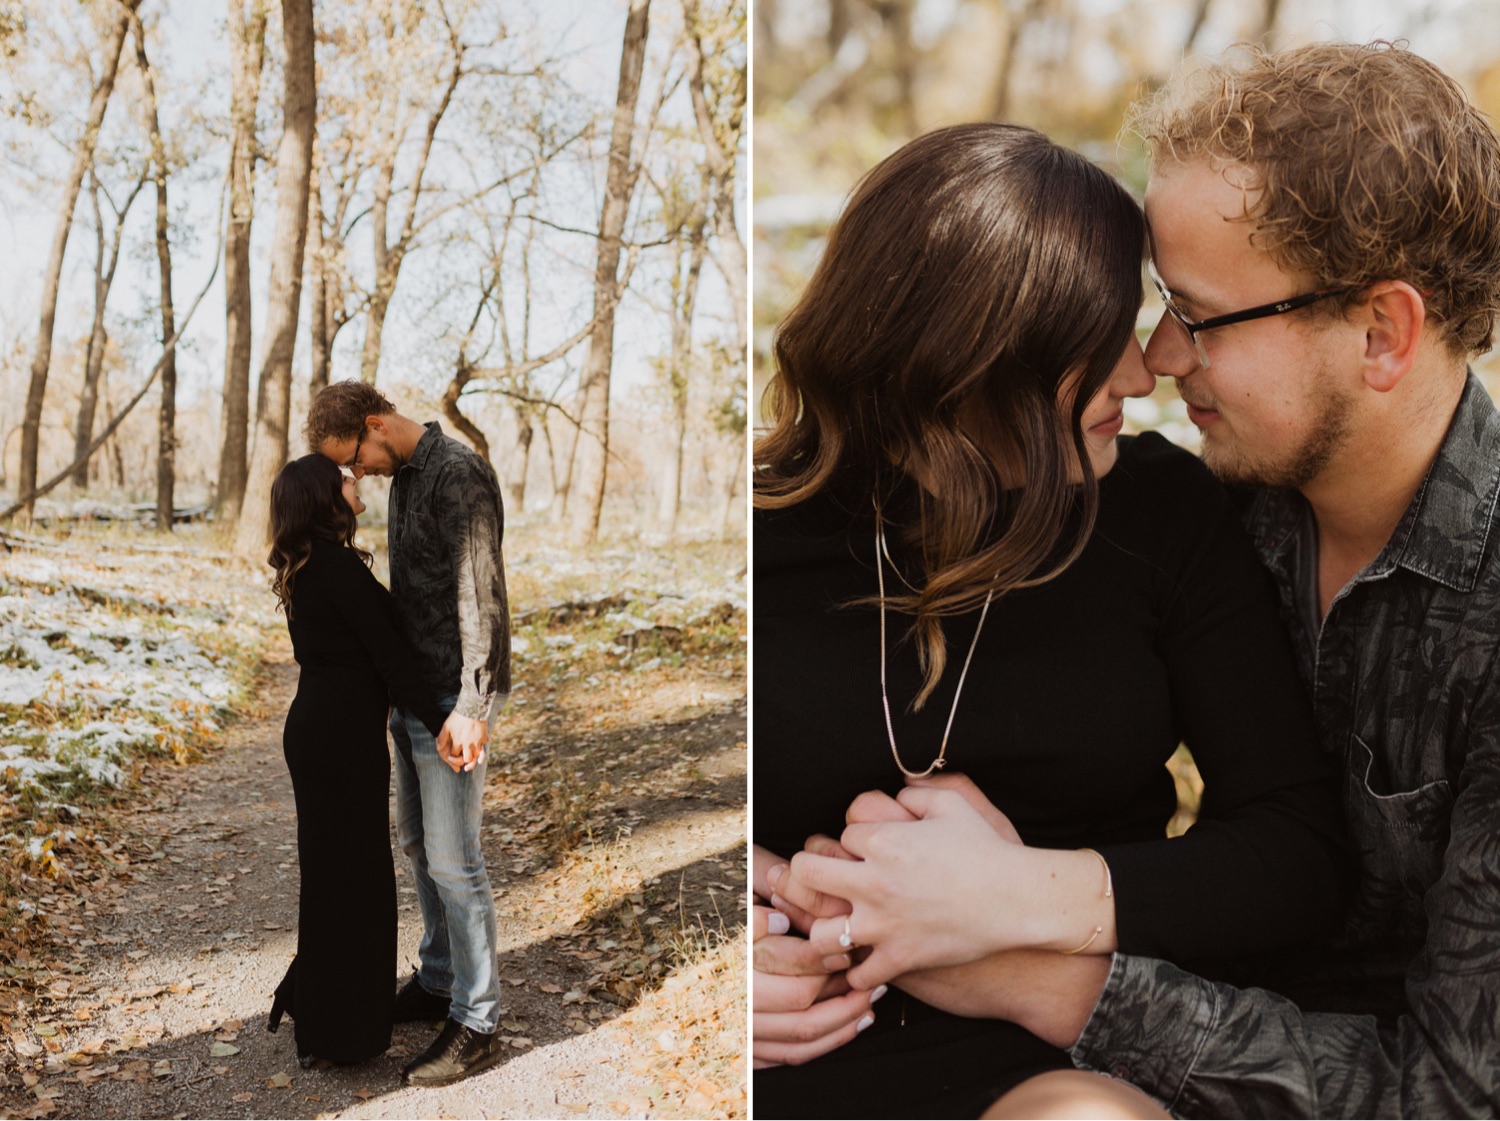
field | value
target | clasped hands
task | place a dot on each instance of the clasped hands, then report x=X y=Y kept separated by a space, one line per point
x=926 y=881
x=461 y=742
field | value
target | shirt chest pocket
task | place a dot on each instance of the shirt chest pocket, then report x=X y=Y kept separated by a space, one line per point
x=1401 y=835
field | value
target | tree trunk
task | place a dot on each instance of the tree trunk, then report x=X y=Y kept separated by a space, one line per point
x=721 y=153
x=93 y=363
x=591 y=449
x=388 y=256
x=317 y=299
x=464 y=425
x=521 y=459
x=683 y=306
x=293 y=180
x=166 y=424
x=83 y=157
x=731 y=488
x=247 y=37
x=1200 y=17
x=380 y=294
x=1016 y=21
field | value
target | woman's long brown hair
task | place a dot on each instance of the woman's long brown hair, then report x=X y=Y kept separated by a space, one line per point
x=307 y=505
x=976 y=277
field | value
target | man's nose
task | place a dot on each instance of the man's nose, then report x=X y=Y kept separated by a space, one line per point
x=1169 y=351
x=357 y=471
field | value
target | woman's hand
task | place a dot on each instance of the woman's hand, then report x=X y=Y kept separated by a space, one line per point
x=947 y=888
x=808 y=1028
x=803 y=1006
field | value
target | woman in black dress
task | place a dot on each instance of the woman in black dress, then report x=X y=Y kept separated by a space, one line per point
x=957 y=563
x=354 y=664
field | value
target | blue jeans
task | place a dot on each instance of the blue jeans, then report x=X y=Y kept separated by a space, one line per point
x=437 y=824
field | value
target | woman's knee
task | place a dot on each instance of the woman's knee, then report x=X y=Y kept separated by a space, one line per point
x=1074 y=1093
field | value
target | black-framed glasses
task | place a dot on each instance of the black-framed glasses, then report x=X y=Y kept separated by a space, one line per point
x=359 y=442
x=1261 y=311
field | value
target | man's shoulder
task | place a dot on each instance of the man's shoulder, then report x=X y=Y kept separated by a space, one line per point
x=452 y=453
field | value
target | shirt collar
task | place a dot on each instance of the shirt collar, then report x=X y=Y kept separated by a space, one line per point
x=1446 y=528
x=425 y=445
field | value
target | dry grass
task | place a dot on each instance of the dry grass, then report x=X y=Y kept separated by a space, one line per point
x=694 y=1029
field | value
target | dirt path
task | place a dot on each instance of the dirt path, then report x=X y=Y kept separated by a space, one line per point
x=607 y=849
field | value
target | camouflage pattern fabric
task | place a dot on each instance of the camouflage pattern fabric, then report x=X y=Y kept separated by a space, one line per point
x=1404 y=680
x=447 y=573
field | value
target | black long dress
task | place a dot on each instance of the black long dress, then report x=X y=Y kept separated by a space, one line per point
x=339 y=989
x=1165 y=630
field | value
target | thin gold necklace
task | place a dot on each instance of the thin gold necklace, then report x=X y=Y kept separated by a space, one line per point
x=881 y=555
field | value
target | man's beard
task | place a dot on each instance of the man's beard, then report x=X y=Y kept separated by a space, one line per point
x=1331 y=414
x=397 y=461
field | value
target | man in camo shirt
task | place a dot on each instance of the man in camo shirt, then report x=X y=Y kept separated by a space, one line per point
x=448 y=581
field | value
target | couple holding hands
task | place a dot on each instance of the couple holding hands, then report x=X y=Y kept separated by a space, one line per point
x=430 y=659
x=966 y=900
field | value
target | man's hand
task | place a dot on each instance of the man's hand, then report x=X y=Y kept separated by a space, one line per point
x=461 y=742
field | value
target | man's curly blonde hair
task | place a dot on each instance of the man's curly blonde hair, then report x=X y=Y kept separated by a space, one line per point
x=1371 y=164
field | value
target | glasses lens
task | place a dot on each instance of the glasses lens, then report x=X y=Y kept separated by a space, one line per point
x=1177 y=314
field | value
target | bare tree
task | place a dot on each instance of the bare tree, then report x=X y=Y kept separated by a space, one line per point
x=166 y=428
x=83 y=155
x=105 y=261
x=293 y=181
x=592 y=445
x=716 y=81
x=390 y=255
x=247 y=37
x=317 y=269
x=692 y=248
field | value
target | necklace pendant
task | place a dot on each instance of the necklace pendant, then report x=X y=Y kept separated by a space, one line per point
x=939 y=764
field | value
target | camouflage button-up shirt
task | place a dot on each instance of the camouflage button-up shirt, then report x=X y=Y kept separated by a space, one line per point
x=1406 y=691
x=447 y=575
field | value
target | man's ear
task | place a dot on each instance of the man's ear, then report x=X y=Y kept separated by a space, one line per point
x=375 y=423
x=1394 y=315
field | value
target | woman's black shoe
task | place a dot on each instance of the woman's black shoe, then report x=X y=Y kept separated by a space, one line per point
x=458 y=1052
x=415 y=1004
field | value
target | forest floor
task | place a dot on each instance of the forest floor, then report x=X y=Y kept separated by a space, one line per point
x=151 y=875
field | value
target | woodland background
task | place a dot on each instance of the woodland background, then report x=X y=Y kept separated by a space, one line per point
x=518 y=218
x=840 y=84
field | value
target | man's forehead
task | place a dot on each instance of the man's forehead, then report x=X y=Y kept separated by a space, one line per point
x=1201 y=233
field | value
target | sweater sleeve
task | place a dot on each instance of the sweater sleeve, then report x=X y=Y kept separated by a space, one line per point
x=1266 y=863
x=472 y=516
x=365 y=604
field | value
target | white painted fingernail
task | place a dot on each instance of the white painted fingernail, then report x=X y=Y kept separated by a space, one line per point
x=778 y=923
x=880 y=991
x=864 y=1022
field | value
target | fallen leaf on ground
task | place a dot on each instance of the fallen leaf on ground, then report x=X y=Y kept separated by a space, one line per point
x=243 y=1097
x=223 y=1050
x=279 y=1081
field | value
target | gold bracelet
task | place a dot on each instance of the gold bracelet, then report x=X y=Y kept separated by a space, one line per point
x=1109 y=880
x=1098 y=930
x=1109 y=893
